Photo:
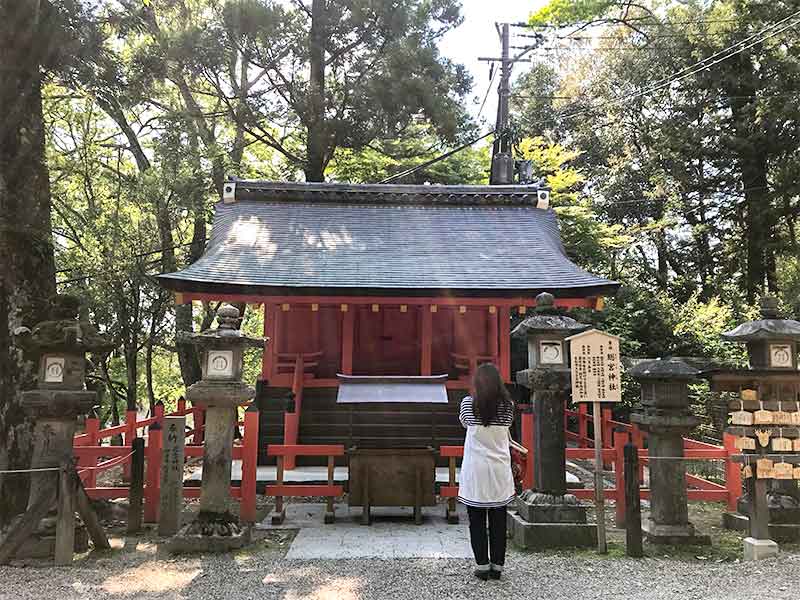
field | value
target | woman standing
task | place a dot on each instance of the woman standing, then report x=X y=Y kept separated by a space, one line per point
x=486 y=484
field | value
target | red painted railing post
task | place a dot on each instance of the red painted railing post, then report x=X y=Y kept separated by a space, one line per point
x=181 y=404
x=291 y=420
x=159 y=412
x=247 y=508
x=620 y=439
x=152 y=492
x=128 y=437
x=527 y=433
x=607 y=430
x=583 y=425
x=93 y=432
x=733 y=474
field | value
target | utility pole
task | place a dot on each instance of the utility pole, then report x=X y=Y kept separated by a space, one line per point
x=502 y=161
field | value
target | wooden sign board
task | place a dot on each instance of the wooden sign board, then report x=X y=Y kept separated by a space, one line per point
x=596 y=367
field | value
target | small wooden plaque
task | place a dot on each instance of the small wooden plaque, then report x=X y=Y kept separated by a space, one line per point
x=763 y=436
x=763 y=417
x=781 y=417
x=764 y=468
x=782 y=470
x=741 y=417
x=745 y=443
x=796 y=445
x=795 y=418
x=747 y=472
x=782 y=444
x=796 y=473
x=749 y=395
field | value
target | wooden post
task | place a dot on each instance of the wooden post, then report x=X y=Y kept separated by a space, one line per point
x=181 y=404
x=504 y=326
x=247 y=507
x=451 y=514
x=90 y=518
x=733 y=473
x=599 y=491
x=633 y=512
x=759 y=512
x=330 y=515
x=620 y=439
x=348 y=331
x=492 y=334
x=136 y=492
x=365 y=506
x=151 y=491
x=637 y=438
x=65 y=525
x=279 y=514
x=426 y=354
x=171 y=482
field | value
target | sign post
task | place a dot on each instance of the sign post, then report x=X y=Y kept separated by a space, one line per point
x=595 y=366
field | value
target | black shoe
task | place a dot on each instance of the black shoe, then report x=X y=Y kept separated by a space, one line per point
x=483 y=575
x=495 y=574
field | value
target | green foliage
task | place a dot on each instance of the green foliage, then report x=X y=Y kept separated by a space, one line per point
x=567 y=12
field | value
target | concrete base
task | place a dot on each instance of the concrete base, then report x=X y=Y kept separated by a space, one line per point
x=541 y=536
x=551 y=513
x=759 y=549
x=186 y=543
x=44 y=546
x=780 y=532
x=674 y=535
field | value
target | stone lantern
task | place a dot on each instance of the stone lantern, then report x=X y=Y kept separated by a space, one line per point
x=220 y=392
x=58 y=403
x=548 y=516
x=666 y=417
x=764 y=414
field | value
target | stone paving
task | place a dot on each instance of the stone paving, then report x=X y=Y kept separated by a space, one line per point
x=392 y=534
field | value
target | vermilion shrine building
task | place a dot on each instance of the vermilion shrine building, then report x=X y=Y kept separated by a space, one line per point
x=381 y=280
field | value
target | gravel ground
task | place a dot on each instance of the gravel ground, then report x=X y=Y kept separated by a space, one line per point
x=138 y=569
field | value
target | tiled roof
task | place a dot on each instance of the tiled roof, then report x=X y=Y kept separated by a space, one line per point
x=346 y=237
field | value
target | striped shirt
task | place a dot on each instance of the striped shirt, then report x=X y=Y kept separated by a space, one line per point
x=503 y=418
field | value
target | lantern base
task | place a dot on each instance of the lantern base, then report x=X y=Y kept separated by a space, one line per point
x=542 y=536
x=674 y=535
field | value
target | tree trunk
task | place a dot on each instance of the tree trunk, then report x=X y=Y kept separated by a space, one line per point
x=315 y=165
x=27 y=271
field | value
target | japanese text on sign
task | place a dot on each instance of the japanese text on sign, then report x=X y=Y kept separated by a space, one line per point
x=595 y=365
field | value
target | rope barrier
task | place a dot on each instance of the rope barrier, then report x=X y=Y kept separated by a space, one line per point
x=108 y=464
x=9 y=471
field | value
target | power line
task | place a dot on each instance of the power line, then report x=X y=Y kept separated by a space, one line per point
x=437 y=159
x=488 y=89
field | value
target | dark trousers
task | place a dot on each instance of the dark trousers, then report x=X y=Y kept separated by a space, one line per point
x=493 y=545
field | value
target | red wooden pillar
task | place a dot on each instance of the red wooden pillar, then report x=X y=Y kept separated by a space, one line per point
x=527 y=433
x=181 y=404
x=270 y=330
x=583 y=425
x=152 y=490
x=733 y=473
x=348 y=331
x=426 y=335
x=247 y=508
x=93 y=432
x=492 y=334
x=504 y=325
x=199 y=417
x=620 y=439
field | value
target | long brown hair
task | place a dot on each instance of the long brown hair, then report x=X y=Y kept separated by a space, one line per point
x=490 y=393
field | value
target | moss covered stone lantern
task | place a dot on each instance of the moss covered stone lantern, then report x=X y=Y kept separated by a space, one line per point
x=221 y=391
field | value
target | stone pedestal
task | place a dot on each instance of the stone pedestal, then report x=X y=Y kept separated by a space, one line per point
x=665 y=400
x=220 y=392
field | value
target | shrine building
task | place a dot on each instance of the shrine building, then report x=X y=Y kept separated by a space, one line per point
x=380 y=300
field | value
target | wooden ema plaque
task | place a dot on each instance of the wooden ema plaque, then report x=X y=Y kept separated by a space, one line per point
x=747 y=472
x=763 y=417
x=796 y=473
x=744 y=443
x=763 y=436
x=749 y=395
x=782 y=470
x=764 y=468
x=782 y=444
x=741 y=417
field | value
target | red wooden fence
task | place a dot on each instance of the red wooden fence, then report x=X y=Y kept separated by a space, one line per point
x=93 y=457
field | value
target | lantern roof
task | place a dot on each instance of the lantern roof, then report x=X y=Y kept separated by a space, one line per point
x=227 y=332
x=670 y=368
x=769 y=327
x=548 y=319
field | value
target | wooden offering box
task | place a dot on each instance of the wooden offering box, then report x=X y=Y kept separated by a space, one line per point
x=392 y=477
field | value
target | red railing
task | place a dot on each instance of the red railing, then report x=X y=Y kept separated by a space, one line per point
x=90 y=455
x=615 y=435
